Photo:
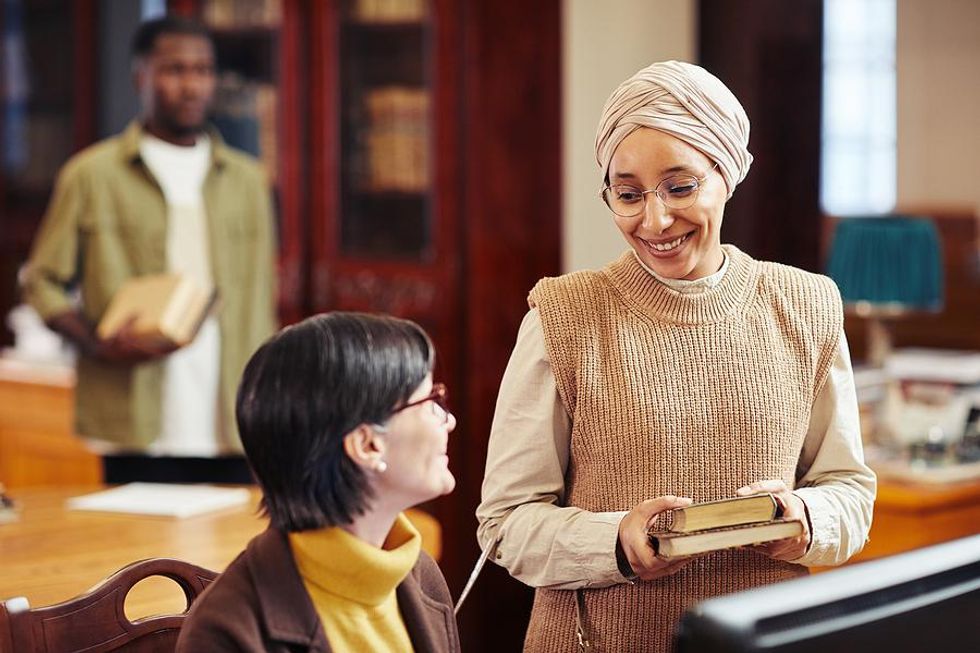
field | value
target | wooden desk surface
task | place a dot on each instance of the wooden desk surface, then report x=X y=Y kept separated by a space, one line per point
x=926 y=498
x=52 y=554
x=912 y=515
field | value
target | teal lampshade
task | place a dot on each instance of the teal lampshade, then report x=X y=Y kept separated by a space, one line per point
x=893 y=264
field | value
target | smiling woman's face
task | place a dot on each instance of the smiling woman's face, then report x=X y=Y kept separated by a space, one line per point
x=674 y=243
x=416 y=453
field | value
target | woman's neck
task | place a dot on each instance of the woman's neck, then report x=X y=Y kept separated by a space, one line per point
x=373 y=526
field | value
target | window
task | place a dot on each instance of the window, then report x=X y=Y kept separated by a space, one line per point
x=858 y=131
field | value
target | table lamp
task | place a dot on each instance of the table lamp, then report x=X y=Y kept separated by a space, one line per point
x=886 y=267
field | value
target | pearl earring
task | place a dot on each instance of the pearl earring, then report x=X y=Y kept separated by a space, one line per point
x=381 y=466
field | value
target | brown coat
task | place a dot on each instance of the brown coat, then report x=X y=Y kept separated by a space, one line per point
x=260 y=604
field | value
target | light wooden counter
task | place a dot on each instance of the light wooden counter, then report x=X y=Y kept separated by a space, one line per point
x=51 y=554
x=37 y=444
x=912 y=515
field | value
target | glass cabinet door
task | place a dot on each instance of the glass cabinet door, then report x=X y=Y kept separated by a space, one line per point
x=46 y=114
x=260 y=46
x=246 y=36
x=38 y=101
x=385 y=115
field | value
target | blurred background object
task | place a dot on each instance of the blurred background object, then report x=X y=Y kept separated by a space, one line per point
x=929 y=429
x=886 y=267
x=34 y=342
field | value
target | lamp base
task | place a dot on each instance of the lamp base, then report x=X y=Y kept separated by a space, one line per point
x=879 y=342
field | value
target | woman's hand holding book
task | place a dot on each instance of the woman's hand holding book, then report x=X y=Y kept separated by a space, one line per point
x=792 y=507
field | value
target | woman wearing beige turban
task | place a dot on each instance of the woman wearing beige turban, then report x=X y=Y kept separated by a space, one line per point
x=683 y=371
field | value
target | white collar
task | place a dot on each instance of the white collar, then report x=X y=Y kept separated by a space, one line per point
x=689 y=286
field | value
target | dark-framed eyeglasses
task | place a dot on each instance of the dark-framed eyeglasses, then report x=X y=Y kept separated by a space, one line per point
x=439 y=398
x=677 y=192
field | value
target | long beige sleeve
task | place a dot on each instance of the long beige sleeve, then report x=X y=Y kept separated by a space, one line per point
x=542 y=542
x=546 y=544
x=836 y=485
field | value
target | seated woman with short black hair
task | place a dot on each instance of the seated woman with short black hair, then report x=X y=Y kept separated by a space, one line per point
x=344 y=430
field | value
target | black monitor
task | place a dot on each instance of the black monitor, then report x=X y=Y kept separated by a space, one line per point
x=925 y=600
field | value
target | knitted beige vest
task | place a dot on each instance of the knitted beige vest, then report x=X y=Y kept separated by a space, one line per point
x=686 y=394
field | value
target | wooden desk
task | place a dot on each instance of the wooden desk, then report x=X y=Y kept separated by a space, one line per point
x=910 y=516
x=51 y=554
x=37 y=442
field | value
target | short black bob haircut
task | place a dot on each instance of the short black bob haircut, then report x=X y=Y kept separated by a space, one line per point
x=145 y=39
x=304 y=390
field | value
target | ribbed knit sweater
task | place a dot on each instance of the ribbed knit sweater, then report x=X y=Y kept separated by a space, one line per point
x=686 y=394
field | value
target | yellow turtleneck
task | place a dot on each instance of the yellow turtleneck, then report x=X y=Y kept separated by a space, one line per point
x=352 y=584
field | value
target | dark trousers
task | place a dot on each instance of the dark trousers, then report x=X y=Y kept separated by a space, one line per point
x=130 y=468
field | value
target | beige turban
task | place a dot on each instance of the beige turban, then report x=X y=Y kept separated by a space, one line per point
x=685 y=101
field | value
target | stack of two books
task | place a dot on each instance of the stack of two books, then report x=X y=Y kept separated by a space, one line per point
x=724 y=524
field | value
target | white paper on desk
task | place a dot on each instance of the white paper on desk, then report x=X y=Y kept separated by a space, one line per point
x=161 y=499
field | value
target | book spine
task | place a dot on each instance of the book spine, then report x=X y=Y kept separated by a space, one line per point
x=177 y=306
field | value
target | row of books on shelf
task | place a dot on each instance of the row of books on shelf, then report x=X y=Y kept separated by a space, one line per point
x=388 y=11
x=246 y=114
x=224 y=14
x=394 y=148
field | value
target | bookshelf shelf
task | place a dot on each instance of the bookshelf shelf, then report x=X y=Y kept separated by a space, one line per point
x=384 y=28
x=245 y=31
x=388 y=195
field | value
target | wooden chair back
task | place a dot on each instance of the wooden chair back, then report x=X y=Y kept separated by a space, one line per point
x=96 y=622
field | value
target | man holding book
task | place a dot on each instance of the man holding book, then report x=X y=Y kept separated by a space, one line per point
x=166 y=196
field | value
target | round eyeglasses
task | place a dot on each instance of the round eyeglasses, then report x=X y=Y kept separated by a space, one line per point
x=677 y=192
x=439 y=398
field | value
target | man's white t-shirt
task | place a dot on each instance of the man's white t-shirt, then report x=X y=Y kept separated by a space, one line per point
x=191 y=422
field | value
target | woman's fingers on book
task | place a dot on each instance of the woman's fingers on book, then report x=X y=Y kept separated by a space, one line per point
x=773 y=486
x=788 y=549
x=643 y=559
x=651 y=508
x=793 y=547
x=792 y=507
x=636 y=543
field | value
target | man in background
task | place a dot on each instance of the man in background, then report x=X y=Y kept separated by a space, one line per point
x=165 y=195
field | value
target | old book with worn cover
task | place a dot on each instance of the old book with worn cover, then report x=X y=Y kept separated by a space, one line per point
x=726 y=512
x=668 y=544
x=168 y=309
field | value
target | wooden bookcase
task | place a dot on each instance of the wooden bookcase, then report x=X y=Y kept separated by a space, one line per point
x=468 y=93
x=414 y=139
x=47 y=112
